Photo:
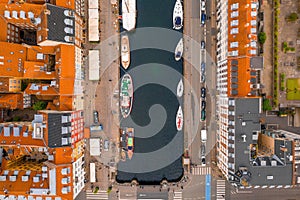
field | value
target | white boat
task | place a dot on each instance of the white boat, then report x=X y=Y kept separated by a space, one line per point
x=125 y=51
x=177 y=15
x=129 y=14
x=179 y=50
x=180 y=88
x=179 y=119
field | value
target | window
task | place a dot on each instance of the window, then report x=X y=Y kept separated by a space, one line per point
x=234 y=44
x=234 y=23
x=234 y=31
x=235 y=53
x=235 y=14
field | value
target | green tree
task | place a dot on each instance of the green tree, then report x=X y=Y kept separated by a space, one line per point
x=262 y=37
x=292 y=17
x=266 y=105
x=40 y=105
x=16 y=118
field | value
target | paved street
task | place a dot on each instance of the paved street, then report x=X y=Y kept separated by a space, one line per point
x=264 y=194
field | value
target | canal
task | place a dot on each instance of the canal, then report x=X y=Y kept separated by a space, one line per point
x=158 y=146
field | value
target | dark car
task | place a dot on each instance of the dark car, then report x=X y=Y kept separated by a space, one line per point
x=202 y=44
x=203 y=115
x=203 y=67
x=203 y=92
x=203 y=160
x=203 y=104
x=96 y=117
x=202 y=149
x=202 y=77
x=203 y=18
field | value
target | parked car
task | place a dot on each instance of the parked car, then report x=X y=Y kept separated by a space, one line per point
x=106 y=145
x=203 y=18
x=203 y=115
x=203 y=160
x=202 y=77
x=203 y=67
x=203 y=92
x=202 y=149
x=96 y=117
x=203 y=5
x=203 y=104
x=202 y=44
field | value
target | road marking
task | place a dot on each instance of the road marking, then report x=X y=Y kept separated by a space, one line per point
x=100 y=195
x=199 y=170
x=177 y=195
x=221 y=189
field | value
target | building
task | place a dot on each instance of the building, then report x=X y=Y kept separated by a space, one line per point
x=42 y=61
x=43 y=158
x=248 y=156
x=39 y=40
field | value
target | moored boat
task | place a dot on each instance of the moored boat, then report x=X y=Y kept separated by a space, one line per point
x=130 y=142
x=180 y=88
x=126 y=95
x=179 y=50
x=129 y=14
x=125 y=51
x=177 y=15
x=179 y=119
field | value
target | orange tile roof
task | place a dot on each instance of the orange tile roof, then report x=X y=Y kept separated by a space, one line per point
x=66 y=4
x=242 y=39
x=12 y=58
x=41 y=89
x=4 y=84
x=11 y=101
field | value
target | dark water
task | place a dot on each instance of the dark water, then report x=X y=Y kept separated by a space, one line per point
x=155 y=74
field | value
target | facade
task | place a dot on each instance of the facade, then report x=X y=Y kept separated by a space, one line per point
x=39 y=40
x=42 y=61
x=247 y=155
x=43 y=158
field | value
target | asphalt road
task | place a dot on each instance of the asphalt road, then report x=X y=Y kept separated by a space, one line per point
x=265 y=194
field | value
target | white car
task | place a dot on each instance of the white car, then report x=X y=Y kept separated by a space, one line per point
x=202 y=5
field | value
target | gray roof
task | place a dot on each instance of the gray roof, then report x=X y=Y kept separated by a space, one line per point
x=247 y=123
x=257 y=62
x=57 y=26
x=55 y=135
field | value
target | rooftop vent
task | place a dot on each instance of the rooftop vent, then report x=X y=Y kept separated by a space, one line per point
x=244 y=138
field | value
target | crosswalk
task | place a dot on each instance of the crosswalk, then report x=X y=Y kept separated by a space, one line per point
x=221 y=189
x=177 y=195
x=100 y=195
x=199 y=170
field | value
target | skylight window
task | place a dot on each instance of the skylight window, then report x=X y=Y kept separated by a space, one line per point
x=235 y=14
x=234 y=23
x=253 y=13
x=234 y=44
x=235 y=53
x=234 y=31
x=253 y=30
x=235 y=6
x=253 y=22
x=253 y=52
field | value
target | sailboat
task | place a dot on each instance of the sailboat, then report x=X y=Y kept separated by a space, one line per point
x=177 y=15
x=179 y=50
x=180 y=88
x=125 y=51
x=179 y=119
